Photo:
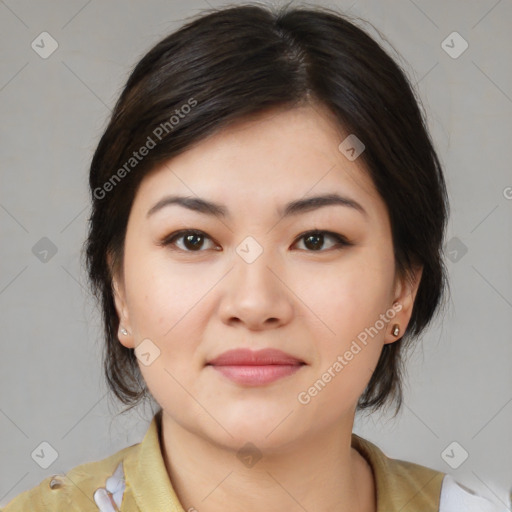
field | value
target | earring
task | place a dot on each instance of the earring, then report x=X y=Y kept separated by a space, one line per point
x=396 y=330
x=124 y=331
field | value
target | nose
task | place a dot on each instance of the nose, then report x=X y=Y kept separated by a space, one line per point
x=257 y=295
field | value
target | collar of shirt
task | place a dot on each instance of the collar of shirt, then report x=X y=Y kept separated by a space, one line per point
x=146 y=474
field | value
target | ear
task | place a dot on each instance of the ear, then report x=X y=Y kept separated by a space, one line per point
x=405 y=292
x=121 y=307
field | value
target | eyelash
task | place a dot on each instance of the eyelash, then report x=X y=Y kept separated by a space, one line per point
x=341 y=241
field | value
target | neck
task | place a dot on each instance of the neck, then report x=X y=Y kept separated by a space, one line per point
x=321 y=473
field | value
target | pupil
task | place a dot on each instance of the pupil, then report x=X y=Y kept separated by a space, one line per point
x=316 y=238
x=190 y=238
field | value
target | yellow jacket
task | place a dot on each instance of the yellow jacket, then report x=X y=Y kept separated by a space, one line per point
x=135 y=480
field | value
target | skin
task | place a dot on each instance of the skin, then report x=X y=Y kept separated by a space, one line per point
x=311 y=303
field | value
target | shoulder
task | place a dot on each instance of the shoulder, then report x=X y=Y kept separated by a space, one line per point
x=401 y=485
x=409 y=487
x=81 y=488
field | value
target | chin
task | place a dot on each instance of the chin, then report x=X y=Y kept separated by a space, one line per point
x=268 y=428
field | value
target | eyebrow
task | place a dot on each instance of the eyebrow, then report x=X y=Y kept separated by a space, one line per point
x=296 y=207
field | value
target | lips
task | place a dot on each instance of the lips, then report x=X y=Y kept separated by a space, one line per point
x=246 y=357
x=255 y=368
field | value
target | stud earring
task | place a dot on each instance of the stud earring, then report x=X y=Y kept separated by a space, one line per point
x=124 y=331
x=396 y=330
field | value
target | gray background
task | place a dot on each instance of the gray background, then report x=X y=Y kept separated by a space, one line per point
x=52 y=114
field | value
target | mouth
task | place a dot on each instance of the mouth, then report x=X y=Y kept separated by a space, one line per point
x=255 y=368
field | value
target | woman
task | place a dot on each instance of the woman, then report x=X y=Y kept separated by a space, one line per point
x=268 y=216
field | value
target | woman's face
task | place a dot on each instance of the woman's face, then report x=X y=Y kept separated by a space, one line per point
x=252 y=278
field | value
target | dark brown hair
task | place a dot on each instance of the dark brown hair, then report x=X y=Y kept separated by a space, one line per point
x=238 y=61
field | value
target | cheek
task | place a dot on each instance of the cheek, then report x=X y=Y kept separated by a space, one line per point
x=347 y=296
x=166 y=306
x=160 y=294
x=349 y=301
x=350 y=345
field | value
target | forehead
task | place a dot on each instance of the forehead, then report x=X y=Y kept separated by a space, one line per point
x=265 y=161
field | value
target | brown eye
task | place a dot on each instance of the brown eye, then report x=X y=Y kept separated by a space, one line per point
x=314 y=240
x=193 y=240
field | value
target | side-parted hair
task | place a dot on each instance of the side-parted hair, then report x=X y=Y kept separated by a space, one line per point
x=235 y=62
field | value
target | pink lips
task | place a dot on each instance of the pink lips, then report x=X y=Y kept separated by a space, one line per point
x=245 y=366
